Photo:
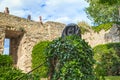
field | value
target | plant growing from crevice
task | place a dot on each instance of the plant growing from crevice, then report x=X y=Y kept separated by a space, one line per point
x=22 y=29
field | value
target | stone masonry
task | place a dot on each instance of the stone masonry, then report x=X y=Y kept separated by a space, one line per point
x=2 y=36
x=24 y=34
x=110 y=36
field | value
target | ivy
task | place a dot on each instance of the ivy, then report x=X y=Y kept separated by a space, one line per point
x=75 y=58
x=38 y=57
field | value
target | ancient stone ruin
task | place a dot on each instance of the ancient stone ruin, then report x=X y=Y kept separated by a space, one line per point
x=24 y=34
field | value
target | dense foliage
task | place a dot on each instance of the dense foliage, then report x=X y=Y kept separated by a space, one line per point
x=5 y=60
x=74 y=59
x=102 y=13
x=38 y=57
x=110 y=2
x=108 y=59
x=7 y=71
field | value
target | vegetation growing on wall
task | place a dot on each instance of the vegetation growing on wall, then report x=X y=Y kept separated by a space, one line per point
x=105 y=27
x=38 y=57
x=74 y=59
x=107 y=58
x=84 y=26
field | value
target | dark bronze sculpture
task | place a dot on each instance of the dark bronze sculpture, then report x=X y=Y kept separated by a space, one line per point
x=71 y=29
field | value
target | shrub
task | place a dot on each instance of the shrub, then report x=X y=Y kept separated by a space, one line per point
x=107 y=58
x=7 y=71
x=5 y=60
x=75 y=59
x=38 y=57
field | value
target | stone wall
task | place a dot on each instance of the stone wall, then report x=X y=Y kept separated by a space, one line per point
x=2 y=36
x=103 y=37
x=113 y=35
x=24 y=34
x=48 y=31
x=94 y=38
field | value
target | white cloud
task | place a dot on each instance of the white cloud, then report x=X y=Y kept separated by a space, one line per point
x=65 y=11
x=62 y=19
x=13 y=4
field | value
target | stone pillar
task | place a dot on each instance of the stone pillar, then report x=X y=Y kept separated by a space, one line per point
x=2 y=37
x=13 y=49
x=40 y=17
x=6 y=11
x=29 y=17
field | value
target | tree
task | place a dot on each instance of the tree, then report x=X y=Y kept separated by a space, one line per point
x=102 y=13
x=112 y=2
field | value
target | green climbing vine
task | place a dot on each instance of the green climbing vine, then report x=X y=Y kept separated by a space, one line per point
x=74 y=59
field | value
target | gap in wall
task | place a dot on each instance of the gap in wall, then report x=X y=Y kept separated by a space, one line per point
x=6 y=46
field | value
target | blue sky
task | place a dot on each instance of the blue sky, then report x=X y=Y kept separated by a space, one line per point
x=64 y=11
x=6 y=46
